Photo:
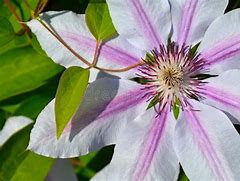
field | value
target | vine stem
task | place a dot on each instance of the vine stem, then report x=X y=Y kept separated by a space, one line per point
x=91 y=65
x=122 y=69
x=65 y=44
x=41 y=6
x=12 y=9
x=96 y=53
x=27 y=4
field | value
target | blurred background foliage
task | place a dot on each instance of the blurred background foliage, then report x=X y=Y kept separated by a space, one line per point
x=28 y=81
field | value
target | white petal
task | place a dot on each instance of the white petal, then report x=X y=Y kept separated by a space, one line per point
x=207 y=144
x=107 y=106
x=191 y=18
x=221 y=43
x=71 y=27
x=61 y=170
x=223 y=92
x=144 y=23
x=13 y=125
x=62 y=21
x=144 y=151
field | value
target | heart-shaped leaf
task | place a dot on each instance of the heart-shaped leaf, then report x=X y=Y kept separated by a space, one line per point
x=70 y=92
x=99 y=21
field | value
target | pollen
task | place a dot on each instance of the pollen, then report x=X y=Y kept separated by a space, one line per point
x=170 y=76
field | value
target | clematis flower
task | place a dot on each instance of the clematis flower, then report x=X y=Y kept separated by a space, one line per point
x=150 y=143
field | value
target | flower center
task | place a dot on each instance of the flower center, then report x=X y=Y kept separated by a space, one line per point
x=172 y=73
x=170 y=76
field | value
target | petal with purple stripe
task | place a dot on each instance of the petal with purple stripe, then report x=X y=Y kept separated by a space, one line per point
x=115 y=53
x=191 y=18
x=220 y=46
x=207 y=144
x=107 y=106
x=144 y=23
x=223 y=92
x=144 y=151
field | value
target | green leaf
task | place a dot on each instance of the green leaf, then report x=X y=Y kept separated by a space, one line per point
x=21 y=9
x=35 y=102
x=49 y=89
x=103 y=157
x=182 y=176
x=176 y=108
x=17 y=42
x=71 y=89
x=18 y=164
x=33 y=168
x=153 y=102
x=93 y=162
x=23 y=69
x=2 y=118
x=149 y=58
x=36 y=45
x=30 y=104
x=99 y=21
x=6 y=31
x=4 y=11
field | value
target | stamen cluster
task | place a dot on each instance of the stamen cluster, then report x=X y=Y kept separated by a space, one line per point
x=172 y=73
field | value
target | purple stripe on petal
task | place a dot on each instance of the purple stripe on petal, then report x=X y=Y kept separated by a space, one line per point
x=118 y=55
x=79 y=40
x=107 y=108
x=151 y=145
x=206 y=145
x=222 y=51
x=186 y=22
x=124 y=102
x=142 y=17
x=220 y=96
x=109 y=52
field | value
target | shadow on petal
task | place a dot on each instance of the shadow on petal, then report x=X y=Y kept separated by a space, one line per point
x=98 y=102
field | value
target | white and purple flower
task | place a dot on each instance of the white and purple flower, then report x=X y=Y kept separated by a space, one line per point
x=150 y=143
